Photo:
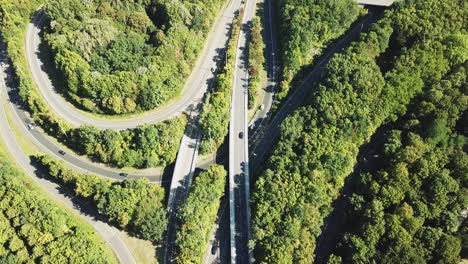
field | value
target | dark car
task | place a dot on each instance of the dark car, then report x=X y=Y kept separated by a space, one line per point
x=245 y=168
x=241 y=135
x=61 y=152
x=214 y=249
x=123 y=174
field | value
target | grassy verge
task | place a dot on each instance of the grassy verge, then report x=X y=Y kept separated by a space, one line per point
x=257 y=72
x=24 y=143
x=198 y=214
x=143 y=251
x=52 y=232
x=257 y=63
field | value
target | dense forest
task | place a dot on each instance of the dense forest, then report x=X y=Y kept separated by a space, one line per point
x=215 y=114
x=406 y=207
x=136 y=205
x=125 y=56
x=35 y=230
x=146 y=146
x=306 y=27
x=198 y=214
x=410 y=49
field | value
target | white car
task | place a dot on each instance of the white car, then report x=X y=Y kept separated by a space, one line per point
x=31 y=126
x=262 y=107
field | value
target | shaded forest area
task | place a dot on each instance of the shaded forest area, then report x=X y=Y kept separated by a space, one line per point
x=412 y=48
x=306 y=28
x=125 y=56
x=407 y=208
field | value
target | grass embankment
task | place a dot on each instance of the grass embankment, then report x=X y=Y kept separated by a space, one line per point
x=25 y=144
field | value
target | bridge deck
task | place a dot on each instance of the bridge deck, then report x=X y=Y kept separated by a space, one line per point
x=376 y=2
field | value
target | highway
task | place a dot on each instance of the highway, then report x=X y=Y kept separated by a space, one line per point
x=188 y=152
x=263 y=127
x=376 y=2
x=107 y=232
x=197 y=85
x=239 y=189
x=197 y=82
x=221 y=232
x=182 y=178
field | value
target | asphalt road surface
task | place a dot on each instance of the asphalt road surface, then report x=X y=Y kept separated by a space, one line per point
x=46 y=144
x=239 y=158
x=188 y=152
x=239 y=189
x=181 y=181
x=262 y=116
x=108 y=233
x=271 y=53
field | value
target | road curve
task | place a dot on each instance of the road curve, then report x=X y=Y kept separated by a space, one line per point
x=46 y=144
x=108 y=233
x=194 y=86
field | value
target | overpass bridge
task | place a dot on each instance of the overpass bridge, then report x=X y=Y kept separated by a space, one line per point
x=376 y=2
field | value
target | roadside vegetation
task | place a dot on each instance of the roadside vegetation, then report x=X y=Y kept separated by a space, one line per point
x=133 y=205
x=143 y=147
x=257 y=72
x=33 y=229
x=198 y=214
x=407 y=208
x=215 y=115
x=120 y=57
x=146 y=146
x=306 y=28
x=371 y=83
